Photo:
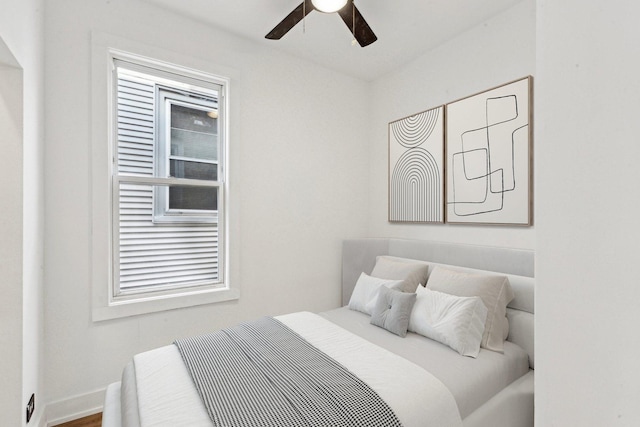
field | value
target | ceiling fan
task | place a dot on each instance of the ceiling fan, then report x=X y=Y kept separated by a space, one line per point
x=345 y=8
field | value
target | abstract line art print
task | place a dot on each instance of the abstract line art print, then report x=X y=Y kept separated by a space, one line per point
x=488 y=157
x=416 y=173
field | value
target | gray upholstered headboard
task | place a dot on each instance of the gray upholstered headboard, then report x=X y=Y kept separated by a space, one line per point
x=359 y=255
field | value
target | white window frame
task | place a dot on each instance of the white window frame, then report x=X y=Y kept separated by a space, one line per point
x=162 y=213
x=108 y=302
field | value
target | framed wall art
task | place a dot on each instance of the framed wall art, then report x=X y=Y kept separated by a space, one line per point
x=488 y=156
x=416 y=173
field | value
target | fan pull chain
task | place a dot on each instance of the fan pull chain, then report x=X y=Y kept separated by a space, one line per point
x=304 y=17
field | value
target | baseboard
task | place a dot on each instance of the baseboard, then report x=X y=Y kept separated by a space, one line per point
x=70 y=409
x=38 y=419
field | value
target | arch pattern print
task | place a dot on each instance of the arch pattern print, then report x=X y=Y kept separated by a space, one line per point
x=488 y=156
x=413 y=131
x=416 y=174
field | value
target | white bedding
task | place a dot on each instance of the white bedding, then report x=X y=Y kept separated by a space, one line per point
x=471 y=381
x=414 y=394
x=494 y=390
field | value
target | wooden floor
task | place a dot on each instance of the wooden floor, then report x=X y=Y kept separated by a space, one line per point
x=90 y=421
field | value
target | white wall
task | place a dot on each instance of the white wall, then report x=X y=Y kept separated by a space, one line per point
x=11 y=232
x=21 y=228
x=588 y=238
x=296 y=139
x=583 y=57
x=500 y=50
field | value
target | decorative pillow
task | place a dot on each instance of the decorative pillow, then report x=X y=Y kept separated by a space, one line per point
x=392 y=310
x=454 y=321
x=366 y=290
x=411 y=272
x=495 y=292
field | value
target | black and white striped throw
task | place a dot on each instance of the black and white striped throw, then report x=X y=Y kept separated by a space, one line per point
x=262 y=374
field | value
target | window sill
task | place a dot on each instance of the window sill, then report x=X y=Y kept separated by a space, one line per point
x=153 y=304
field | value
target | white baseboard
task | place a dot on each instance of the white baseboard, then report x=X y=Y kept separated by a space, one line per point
x=73 y=408
x=38 y=420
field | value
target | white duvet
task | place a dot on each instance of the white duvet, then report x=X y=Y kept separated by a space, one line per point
x=168 y=397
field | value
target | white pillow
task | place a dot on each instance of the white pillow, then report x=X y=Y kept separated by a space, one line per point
x=365 y=293
x=457 y=322
x=495 y=291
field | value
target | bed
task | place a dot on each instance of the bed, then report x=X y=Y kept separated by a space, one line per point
x=404 y=378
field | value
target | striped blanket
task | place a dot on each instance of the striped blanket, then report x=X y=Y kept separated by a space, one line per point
x=261 y=374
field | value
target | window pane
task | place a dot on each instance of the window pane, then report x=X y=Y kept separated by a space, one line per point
x=192 y=119
x=154 y=255
x=193 y=170
x=197 y=145
x=197 y=198
x=193 y=133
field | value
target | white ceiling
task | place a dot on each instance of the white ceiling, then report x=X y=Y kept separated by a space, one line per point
x=405 y=28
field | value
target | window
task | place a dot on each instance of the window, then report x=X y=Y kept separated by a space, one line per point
x=188 y=142
x=168 y=179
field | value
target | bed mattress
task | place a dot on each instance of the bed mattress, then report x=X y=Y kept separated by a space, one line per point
x=460 y=384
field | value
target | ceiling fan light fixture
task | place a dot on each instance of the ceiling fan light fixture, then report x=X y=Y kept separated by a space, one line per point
x=329 y=6
x=346 y=9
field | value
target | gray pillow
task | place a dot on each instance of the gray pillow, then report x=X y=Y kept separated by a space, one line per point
x=393 y=310
x=413 y=273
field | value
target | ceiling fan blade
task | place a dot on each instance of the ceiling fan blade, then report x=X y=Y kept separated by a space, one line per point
x=291 y=20
x=354 y=20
